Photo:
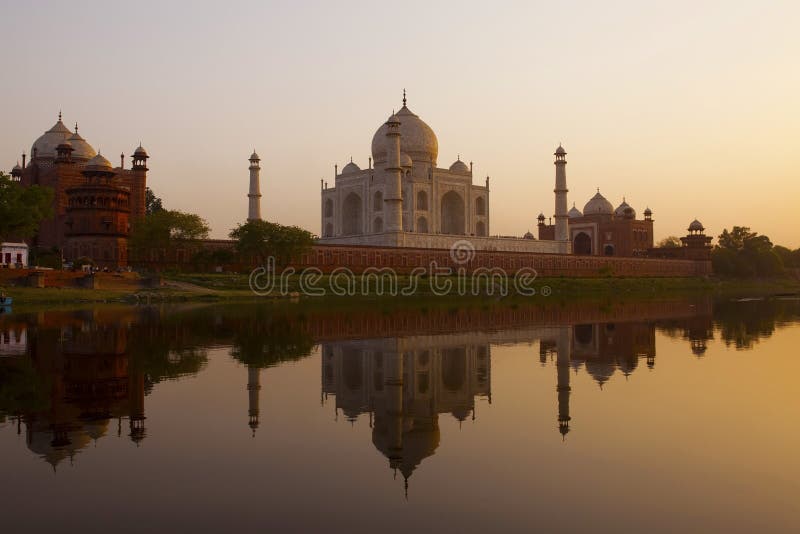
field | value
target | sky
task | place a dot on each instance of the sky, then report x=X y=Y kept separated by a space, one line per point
x=690 y=108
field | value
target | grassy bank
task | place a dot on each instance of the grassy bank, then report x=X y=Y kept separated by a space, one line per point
x=233 y=287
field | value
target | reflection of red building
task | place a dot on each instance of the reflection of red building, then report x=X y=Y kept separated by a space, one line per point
x=86 y=368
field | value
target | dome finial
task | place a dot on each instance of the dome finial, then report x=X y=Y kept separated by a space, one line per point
x=59 y=115
x=404 y=97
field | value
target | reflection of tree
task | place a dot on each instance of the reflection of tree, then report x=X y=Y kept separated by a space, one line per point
x=166 y=350
x=264 y=340
x=22 y=389
x=744 y=323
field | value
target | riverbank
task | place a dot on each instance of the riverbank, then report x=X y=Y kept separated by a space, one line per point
x=234 y=287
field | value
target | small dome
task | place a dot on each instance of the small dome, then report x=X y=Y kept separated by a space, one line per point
x=574 y=212
x=140 y=151
x=560 y=151
x=459 y=166
x=45 y=146
x=598 y=205
x=351 y=168
x=16 y=168
x=416 y=138
x=64 y=145
x=528 y=235
x=696 y=226
x=648 y=211
x=253 y=156
x=99 y=162
x=405 y=160
x=624 y=210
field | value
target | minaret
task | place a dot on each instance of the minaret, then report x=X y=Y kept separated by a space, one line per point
x=563 y=387
x=562 y=219
x=393 y=193
x=254 y=209
x=253 y=389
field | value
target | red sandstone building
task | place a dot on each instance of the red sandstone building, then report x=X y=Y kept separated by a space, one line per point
x=95 y=204
x=601 y=230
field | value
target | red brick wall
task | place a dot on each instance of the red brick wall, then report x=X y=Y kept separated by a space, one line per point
x=404 y=260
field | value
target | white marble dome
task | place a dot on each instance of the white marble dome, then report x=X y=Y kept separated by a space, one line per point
x=416 y=139
x=574 y=212
x=696 y=226
x=80 y=148
x=625 y=210
x=45 y=146
x=351 y=168
x=99 y=162
x=598 y=205
x=459 y=166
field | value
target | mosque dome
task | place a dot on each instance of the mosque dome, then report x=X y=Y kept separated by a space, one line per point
x=416 y=139
x=99 y=163
x=350 y=168
x=80 y=148
x=459 y=166
x=45 y=146
x=696 y=226
x=574 y=212
x=598 y=205
x=648 y=211
x=624 y=210
x=405 y=160
x=253 y=156
x=140 y=151
x=17 y=168
x=560 y=151
x=528 y=235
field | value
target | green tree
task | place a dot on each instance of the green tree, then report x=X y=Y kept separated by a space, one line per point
x=262 y=239
x=743 y=253
x=152 y=203
x=22 y=209
x=166 y=229
x=669 y=242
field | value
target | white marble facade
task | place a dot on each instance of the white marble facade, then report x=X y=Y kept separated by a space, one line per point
x=439 y=206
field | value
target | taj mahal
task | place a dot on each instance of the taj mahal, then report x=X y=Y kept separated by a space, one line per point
x=404 y=199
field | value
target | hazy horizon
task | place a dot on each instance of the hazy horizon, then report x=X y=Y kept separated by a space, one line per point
x=690 y=109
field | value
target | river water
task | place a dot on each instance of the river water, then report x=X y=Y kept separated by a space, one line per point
x=669 y=416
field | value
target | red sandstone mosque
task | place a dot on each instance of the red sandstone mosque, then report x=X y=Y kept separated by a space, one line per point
x=95 y=203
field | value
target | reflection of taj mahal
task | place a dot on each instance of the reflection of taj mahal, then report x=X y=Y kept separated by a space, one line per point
x=404 y=384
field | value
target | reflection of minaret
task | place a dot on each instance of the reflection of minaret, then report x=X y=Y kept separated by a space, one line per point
x=563 y=388
x=253 y=389
x=136 y=395
x=394 y=407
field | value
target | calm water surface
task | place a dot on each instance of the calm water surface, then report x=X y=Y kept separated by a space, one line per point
x=670 y=416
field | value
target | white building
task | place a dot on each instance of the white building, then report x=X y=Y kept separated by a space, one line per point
x=13 y=255
x=406 y=200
